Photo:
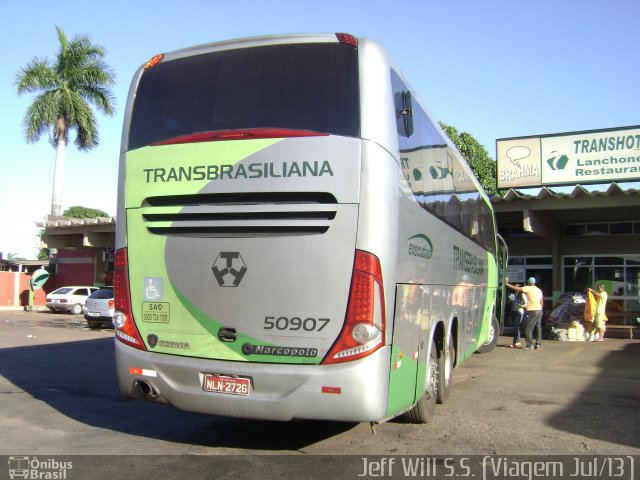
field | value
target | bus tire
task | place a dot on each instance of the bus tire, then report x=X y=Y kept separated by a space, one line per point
x=445 y=370
x=424 y=409
x=494 y=329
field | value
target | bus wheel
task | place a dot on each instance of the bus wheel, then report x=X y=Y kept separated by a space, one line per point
x=493 y=336
x=423 y=410
x=445 y=370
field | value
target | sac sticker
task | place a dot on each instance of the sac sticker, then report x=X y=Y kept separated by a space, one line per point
x=155 y=312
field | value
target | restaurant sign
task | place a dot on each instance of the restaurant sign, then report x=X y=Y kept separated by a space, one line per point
x=598 y=156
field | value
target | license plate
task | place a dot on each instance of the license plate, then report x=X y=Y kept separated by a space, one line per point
x=94 y=314
x=226 y=384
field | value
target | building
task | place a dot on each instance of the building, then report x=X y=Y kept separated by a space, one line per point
x=82 y=249
x=571 y=241
x=585 y=235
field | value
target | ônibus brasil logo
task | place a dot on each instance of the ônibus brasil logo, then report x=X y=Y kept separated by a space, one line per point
x=229 y=268
x=32 y=467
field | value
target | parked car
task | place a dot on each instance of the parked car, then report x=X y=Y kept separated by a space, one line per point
x=69 y=299
x=99 y=307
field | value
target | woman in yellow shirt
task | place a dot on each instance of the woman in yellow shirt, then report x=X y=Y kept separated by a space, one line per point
x=599 y=317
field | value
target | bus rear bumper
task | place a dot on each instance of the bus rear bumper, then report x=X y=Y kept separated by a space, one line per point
x=352 y=391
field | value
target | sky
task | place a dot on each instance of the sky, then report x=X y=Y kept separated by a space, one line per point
x=492 y=68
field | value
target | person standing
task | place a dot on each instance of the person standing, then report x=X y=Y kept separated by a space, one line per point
x=517 y=302
x=533 y=315
x=599 y=317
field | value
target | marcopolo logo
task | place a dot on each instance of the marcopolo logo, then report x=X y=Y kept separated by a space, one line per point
x=420 y=246
x=249 y=349
x=229 y=269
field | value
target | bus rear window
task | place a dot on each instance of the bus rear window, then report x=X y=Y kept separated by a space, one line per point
x=312 y=87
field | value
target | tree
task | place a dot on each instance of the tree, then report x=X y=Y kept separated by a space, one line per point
x=84 y=212
x=79 y=77
x=73 y=212
x=43 y=253
x=483 y=166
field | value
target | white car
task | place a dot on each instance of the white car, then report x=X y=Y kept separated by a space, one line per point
x=69 y=299
x=99 y=307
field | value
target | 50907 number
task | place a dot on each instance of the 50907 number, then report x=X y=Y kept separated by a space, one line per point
x=308 y=324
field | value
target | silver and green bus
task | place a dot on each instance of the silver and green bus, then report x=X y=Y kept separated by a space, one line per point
x=296 y=237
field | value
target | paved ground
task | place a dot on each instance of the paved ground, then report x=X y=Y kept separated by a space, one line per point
x=58 y=395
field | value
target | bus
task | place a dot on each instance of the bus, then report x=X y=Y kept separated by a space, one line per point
x=296 y=237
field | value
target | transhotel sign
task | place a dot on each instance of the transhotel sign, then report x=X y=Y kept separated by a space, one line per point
x=597 y=156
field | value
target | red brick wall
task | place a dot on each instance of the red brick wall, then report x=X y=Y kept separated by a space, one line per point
x=7 y=289
x=73 y=267
x=14 y=290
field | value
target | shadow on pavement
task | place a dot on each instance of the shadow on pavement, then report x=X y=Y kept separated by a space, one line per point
x=78 y=379
x=608 y=409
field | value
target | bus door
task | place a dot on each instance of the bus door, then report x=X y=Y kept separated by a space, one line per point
x=503 y=256
x=406 y=347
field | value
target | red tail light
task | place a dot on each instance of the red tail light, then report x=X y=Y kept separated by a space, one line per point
x=363 y=331
x=247 y=134
x=126 y=330
x=154 y=61
x=347 y=39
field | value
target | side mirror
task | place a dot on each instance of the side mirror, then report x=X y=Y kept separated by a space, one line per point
x=407 y=113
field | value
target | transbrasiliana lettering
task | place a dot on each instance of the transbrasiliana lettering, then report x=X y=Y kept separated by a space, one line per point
x=239 y=171
x=467 y=261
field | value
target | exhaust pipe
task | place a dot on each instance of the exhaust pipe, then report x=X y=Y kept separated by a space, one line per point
x=144 y=389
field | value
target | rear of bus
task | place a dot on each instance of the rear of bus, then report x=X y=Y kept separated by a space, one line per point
x=239 y=287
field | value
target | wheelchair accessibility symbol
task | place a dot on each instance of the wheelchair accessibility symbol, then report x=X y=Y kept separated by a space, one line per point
x=152 y=289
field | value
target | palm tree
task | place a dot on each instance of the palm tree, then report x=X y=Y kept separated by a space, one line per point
x=78 y=77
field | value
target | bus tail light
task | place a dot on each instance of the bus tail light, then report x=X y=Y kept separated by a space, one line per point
x=347 y=39
x=126 y=330
x=245 y=134
x=154 y=61
x=364 y=326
